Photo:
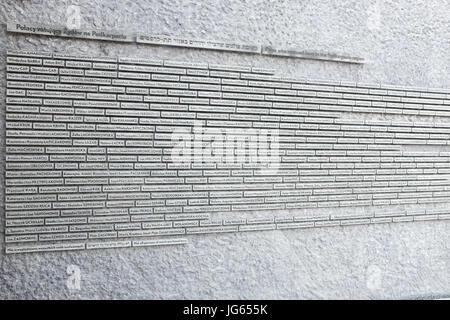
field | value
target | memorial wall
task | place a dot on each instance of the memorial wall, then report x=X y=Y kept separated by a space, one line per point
x=124 y=148
x=174 y=161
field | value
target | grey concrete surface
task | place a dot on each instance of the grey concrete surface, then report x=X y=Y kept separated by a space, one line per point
x=402 y=42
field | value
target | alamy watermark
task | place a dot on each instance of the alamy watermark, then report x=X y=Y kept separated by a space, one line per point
x=374 y=17
x=257 y=148
x=73 y=14
x=73 y=282
x=374 y=277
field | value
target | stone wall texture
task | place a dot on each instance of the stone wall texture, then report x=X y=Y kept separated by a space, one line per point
x=402 y=43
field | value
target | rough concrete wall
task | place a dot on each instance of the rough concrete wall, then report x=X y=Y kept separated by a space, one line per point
x=402 y=43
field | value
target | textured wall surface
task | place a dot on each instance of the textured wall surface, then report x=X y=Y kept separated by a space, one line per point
x=402 y=44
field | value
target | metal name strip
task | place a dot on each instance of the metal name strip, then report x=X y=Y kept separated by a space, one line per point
x=173 y=41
